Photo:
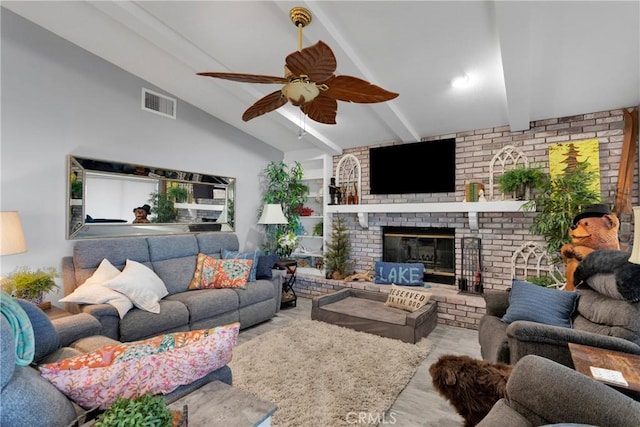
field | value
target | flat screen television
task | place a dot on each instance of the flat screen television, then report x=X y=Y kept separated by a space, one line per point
x=419 y=167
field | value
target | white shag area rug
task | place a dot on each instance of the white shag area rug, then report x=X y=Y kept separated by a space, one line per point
x=320 y=374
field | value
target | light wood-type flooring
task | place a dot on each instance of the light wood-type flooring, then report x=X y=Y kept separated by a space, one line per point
x=418 y=404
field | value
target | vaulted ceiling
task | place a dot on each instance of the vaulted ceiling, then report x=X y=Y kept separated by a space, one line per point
x=524 y=60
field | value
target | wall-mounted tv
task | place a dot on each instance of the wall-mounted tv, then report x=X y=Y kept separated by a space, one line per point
x=419 y=167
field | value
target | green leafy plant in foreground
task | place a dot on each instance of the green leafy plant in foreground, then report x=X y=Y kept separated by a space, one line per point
x=30 y=285
x=143 y=411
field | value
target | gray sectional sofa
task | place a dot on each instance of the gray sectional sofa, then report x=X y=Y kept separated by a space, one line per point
x=173 y=259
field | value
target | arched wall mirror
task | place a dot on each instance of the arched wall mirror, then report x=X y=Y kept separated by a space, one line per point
x=103 y=197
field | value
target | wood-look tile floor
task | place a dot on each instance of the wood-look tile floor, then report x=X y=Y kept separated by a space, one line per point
x=418 y=404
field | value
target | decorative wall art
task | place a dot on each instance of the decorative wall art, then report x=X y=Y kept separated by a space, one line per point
x=566 y=156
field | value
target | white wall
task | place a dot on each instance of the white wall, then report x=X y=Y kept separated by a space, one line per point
x=58 y=99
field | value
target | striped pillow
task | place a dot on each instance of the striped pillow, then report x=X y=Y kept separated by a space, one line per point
x=539 y=304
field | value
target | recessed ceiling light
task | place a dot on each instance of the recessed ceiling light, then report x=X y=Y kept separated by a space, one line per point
x=462 y=81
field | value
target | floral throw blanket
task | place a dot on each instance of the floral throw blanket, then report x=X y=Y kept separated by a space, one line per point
x=157 y=365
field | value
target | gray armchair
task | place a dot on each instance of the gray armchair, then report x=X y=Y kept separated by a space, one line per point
x=540 y=391
x=599 y=321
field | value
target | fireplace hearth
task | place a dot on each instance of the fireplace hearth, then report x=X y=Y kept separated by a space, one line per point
x=434 y=247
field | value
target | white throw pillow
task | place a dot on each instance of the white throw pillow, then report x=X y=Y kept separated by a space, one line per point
x=92 y=290
x=143 y=287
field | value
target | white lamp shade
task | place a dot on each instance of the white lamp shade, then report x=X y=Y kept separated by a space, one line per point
x=11 y=235
x=272 y=214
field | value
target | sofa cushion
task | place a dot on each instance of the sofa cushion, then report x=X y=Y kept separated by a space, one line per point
x=205 y=303
x=265 y=266
x=253 y=256
x=139 y=324
x=141 y=285
x=607 y=316
x=30 y=400
x=88 y=254
x=174 y=260
x=93 y=291
x=157 y=365
x=213 y=243
x=45 y=336
x=254 y=292
x=539 y=304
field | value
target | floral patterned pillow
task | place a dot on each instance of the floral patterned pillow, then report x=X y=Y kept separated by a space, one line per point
x=157 y=365
x=220 y=273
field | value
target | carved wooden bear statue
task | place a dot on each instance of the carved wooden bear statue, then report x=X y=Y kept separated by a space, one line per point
x=595 y=228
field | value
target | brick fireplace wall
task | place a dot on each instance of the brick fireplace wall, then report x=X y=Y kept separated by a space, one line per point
x=501 y=233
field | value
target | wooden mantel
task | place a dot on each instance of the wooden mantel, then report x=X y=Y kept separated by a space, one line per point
x=472 y=209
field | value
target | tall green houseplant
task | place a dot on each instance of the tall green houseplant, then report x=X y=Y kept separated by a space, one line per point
x=284 y=186
x=558 y=201
x=336 y=260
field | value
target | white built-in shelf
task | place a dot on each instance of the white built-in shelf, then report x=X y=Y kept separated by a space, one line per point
x=310 y=237
x=472 y=208
x=200 y=207
x=311 y=216
x=305 y=254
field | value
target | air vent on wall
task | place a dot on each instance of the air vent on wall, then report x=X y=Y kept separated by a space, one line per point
x=159 y=104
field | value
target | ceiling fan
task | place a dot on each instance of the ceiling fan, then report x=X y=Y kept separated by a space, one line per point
x=309 y=81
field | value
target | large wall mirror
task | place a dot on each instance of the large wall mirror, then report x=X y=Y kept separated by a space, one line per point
x=109 y=199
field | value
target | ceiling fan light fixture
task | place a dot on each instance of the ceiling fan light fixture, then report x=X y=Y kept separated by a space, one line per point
x=300 y=92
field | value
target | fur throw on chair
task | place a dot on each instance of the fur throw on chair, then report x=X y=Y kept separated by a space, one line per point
x=472 y=386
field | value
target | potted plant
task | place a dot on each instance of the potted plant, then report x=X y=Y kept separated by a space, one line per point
x=177 y=194
x=162 y=208
x=30 y=285
x=559 y=200
x=141 y=411
x=518 y=179
x=284 y=186
x=336 y=259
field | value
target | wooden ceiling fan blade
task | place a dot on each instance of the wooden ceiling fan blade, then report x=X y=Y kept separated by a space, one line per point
x=322 y=109
x=268 y=103
x=246 y=78
x=353 y=89
x=317 y=61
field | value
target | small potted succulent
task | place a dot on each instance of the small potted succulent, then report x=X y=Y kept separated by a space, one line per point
x=31 y=285
x=141 y=411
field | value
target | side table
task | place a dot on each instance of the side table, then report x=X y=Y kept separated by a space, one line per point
x=55 y=313
x=584 y=357
x=288 y=293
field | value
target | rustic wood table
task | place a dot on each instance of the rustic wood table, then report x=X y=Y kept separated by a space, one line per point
x=584 y=357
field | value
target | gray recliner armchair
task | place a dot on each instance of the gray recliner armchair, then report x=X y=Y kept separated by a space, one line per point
x=542 y=392
x=599 y=320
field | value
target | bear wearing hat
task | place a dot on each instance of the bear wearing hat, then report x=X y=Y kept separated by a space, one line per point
x=141 y=213
x=594 y=228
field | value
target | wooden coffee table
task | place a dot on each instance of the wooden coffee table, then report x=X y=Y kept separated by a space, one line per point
x=584 y=357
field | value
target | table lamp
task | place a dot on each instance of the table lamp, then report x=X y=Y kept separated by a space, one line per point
x=272 y=214
x=11 y=236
